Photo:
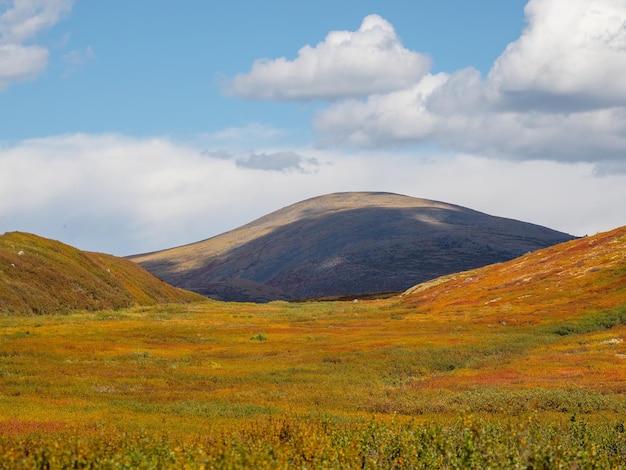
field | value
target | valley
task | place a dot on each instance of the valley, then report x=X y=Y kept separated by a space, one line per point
x=513 y=364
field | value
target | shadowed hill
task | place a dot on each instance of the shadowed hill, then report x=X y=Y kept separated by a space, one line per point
x=38 y=275
x=345 y=244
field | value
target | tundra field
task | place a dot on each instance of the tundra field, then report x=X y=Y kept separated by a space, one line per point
x=515 y=365
x=371 y=384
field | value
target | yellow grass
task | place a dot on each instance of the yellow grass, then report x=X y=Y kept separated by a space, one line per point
x=179 y=366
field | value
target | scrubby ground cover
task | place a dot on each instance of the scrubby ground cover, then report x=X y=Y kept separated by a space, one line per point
x=310 y=442
x=375 y=384
x=516 y=365
x=43 y=276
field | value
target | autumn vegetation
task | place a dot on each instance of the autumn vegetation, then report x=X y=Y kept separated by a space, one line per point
x=516 y=365
x=42 y=276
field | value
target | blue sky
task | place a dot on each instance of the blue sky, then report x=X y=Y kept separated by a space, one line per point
x=135 y=126
x=147 y=68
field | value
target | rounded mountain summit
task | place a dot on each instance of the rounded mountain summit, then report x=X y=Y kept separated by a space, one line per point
x=345 y=245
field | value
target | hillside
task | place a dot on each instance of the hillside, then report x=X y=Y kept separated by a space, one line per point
x=580 y=275
x=575 y=291
x=38 y=275
x=345 y=244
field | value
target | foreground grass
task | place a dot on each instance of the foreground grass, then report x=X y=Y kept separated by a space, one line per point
x=310 y=442
x=345 y=385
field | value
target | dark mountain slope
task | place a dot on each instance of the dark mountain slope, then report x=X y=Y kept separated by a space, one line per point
x=38 y=275
x=345 y=244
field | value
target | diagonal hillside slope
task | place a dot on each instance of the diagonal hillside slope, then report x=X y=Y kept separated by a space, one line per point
x=565 y=280
x=560 y=313
x=345 y=244
x=38 y=275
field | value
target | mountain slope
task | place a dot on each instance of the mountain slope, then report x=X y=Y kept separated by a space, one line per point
x=574 y=291
x=38 y=275
x=345 y=244
x=587 y=274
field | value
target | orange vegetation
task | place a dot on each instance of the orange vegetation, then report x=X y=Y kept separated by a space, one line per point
x=544 y=333
x=42 y=276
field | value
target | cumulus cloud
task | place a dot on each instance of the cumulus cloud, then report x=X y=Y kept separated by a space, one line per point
x=18 y=63
x=572 y=55
x=556 y=93
x=346 y=64
x=20 y=23
x=25 y=18
x=382 y=120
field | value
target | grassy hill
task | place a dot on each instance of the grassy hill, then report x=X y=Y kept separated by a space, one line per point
x=521 y=364
x=574 y=292
x=565 y=280
x=345 y=245
x=42 y=276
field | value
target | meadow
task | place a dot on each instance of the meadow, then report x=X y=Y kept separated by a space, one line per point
x=383 y=383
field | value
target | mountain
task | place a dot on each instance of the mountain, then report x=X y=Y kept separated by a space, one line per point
x=41 y=276
x=343 y=245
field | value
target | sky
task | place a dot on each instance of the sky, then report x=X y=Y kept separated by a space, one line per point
x=128 y=127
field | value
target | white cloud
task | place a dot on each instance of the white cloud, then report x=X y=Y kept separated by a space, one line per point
x=407 y=118
x=556 y=93
x=593 y=136
x=383 y=119
x=123 y=195
x=19 y=23
x=572 y=55
x=18 y=63
x=25 y=18
x=345 y=64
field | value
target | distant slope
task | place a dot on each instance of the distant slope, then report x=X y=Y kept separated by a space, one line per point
x=565 y=280
x=345 y=244
x=38 y=275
